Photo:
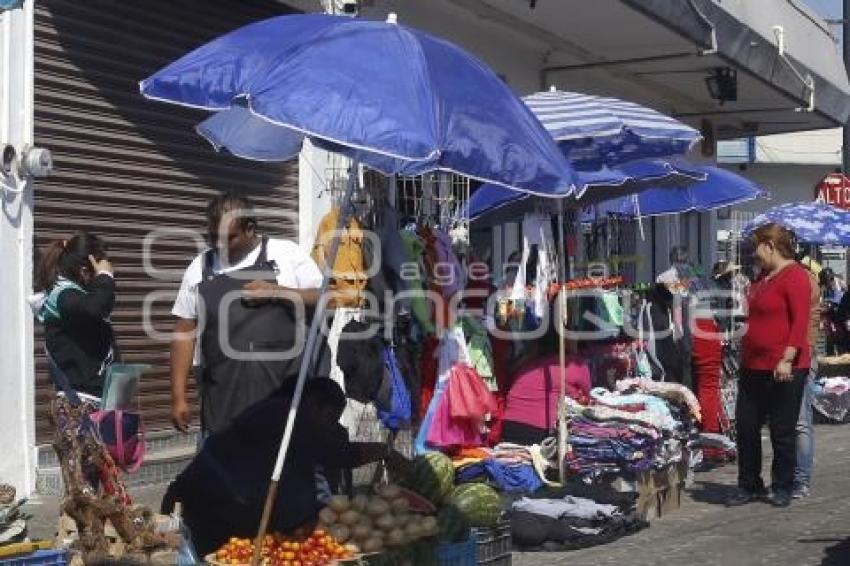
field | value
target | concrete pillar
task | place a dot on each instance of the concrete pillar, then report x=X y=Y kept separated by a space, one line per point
x=17 y=390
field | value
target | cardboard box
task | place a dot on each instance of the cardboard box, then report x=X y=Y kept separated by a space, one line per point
x=660 y=491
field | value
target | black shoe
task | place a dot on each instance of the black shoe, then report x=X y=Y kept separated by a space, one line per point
x=744 y=497
x=781 y=498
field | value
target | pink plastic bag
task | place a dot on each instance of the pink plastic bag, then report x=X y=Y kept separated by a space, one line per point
x=469 y=397
x=447 y=432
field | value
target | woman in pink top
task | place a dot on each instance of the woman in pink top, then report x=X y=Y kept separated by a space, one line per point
x=531 y=410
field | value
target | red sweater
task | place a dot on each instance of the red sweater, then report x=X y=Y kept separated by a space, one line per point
x=779 y=317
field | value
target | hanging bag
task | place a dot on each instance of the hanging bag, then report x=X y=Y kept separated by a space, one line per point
x=399 y=413
x=469 y=397
x=121 y=431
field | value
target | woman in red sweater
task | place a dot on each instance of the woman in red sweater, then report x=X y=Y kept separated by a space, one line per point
x=775 y=361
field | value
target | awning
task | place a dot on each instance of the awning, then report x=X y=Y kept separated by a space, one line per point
x=748 y=35
x=786 y=64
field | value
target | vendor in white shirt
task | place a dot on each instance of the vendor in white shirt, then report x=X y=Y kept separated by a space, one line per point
x=253 y=282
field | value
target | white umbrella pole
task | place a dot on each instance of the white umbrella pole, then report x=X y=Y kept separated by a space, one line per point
x=562 y=385
x=306 y=363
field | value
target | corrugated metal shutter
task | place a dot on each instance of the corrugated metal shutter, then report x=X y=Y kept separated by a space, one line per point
x=125 y=166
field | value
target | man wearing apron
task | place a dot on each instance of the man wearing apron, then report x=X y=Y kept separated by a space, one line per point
x=236 y=300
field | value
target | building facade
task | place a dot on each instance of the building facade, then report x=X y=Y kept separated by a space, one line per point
x=134 y=170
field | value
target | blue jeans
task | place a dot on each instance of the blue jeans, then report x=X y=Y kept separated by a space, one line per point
x=806 y=434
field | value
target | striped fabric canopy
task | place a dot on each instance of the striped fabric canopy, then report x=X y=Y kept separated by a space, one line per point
x=595 y=131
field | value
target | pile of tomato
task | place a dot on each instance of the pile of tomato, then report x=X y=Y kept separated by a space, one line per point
x=315 y=549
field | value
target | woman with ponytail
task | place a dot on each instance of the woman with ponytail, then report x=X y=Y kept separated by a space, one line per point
x=75 y=296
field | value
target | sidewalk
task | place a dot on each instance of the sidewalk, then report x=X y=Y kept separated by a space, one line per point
x=814 y=531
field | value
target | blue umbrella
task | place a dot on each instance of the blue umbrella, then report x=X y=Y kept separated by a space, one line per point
x=596 y=130
x=498 y=204
x=392 y=97
x=721 y=188
x=812 y=222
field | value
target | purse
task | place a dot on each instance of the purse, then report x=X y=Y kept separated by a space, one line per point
x=121 y=431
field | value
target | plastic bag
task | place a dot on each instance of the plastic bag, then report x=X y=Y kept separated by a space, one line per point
x=447 y=432
x=399 y=413
x=121 y=384
x=469 y=397
x=123 y=435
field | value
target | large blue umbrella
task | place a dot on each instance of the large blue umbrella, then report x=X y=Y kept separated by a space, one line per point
x=496 y=204
x=389 y=96
x=721 y=188
x=596 y=130
x=392 y=97
x=811 y=222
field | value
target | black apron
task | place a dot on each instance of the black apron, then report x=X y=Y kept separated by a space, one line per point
x=260 y=335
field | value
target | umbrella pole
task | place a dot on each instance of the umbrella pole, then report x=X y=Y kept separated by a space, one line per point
x=562 y=386
x=306 y=363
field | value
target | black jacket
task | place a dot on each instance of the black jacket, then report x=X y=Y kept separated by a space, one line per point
x=82 y=341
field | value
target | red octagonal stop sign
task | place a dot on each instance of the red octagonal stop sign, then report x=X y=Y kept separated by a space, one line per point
x=834 y=189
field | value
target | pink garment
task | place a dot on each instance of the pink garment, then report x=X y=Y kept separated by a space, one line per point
x=448 y=432
x=533 y=397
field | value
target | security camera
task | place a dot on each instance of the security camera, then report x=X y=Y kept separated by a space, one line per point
x=8 y=160
x=350 y=7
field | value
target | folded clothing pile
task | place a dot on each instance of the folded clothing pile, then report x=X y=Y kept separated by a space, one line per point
x=715 y=449
x=570 y=522
x=624 y=433
x=832 y=398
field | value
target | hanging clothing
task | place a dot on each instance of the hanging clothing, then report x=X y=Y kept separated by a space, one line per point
x=360 y=358
x=412 y=272
x=664 y=338
x=537 y=235
x=342 y=316
x=349 y=271
x=707 y=362
x=480 y=350
x=533 y=396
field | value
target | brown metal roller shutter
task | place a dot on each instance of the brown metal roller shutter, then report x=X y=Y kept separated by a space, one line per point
x=125 y=166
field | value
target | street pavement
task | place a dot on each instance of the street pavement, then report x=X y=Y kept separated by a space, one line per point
x=813 y=531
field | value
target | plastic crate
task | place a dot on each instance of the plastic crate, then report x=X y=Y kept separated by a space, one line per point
x=39 y=558
x=457 y=554
x=493 y=547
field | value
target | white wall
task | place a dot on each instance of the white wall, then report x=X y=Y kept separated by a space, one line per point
x=17 y=429
x=816 y=147
x=786 y=182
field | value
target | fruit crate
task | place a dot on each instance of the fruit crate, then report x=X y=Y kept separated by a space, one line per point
x=39 y=558
x=493 y=547
x=456 y=554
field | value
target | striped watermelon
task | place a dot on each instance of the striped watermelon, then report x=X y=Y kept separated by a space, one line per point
x=432 y=476
x=480 y=504
x=453 y=526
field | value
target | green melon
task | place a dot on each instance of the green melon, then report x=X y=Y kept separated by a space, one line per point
x=452 y=524
x=432 y=476
x=480 y=504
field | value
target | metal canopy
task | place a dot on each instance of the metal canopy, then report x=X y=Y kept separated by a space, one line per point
x=659 y=53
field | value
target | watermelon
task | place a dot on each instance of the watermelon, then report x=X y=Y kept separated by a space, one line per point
x=480 y=504
x=432 y=476
x=452 y=524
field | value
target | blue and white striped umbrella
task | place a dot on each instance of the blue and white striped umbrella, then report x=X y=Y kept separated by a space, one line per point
x=811 y=222
x=595 y=131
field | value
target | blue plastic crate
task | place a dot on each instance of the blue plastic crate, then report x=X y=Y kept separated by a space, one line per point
x=39 y=558
x=457 y=554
